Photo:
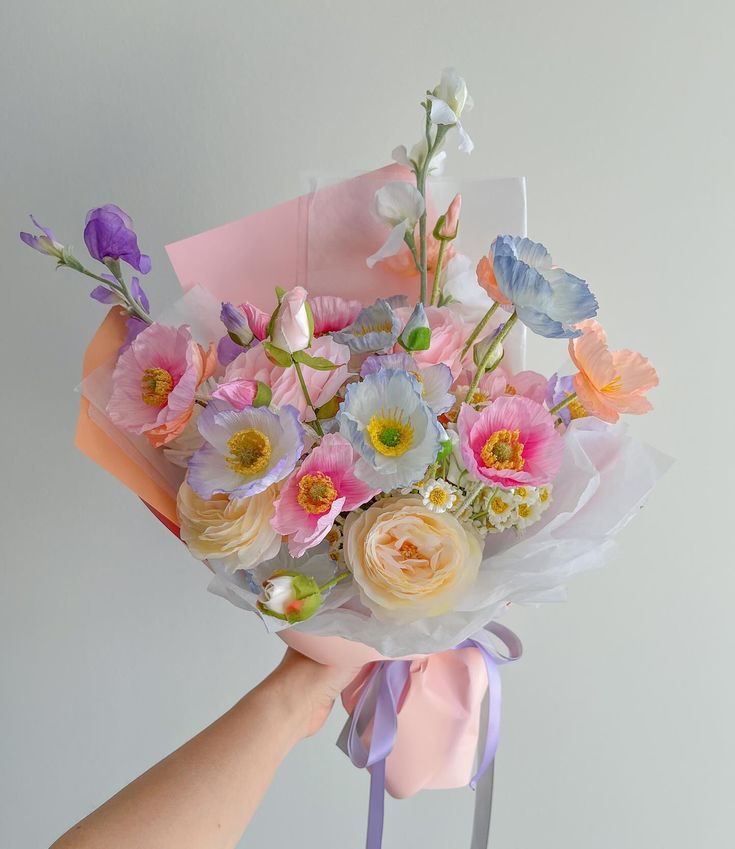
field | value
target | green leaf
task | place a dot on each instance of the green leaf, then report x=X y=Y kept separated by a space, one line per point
x=278 y=355
x=444 y=451
x=328 y=410
x=280 y=292
x=419 y=339
x=263 y=395
x=318 y=363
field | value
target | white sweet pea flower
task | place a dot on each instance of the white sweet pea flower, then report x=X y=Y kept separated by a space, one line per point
x=415 y=159
x=400 y=205
x=449 y=100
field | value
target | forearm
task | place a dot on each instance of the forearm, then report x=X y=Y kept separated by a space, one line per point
x=204 y=794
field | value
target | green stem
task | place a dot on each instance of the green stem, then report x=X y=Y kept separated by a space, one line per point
x=121 y=289
x=421 y=174
x=507 y=327
x=466 y=502
x=317 y=426
x=438 y=273
x=478 y=330
x=335 y=580
x=562 y=404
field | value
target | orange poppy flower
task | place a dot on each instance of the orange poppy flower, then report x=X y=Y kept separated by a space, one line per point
x=609 y=382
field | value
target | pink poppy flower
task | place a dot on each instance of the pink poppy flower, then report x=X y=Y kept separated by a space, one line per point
x=609 y=382
x=332 y=314
x=155 y=382
x=512 y=442
x=317 y=493
x=448 y=335
x=322 y=386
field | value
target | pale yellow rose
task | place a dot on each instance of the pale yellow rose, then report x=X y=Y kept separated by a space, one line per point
x=237 y=532
x=408 y=561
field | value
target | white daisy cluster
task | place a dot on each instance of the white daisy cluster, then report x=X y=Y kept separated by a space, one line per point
x=497 y=509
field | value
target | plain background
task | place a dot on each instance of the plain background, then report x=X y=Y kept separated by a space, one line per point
x=617 y=727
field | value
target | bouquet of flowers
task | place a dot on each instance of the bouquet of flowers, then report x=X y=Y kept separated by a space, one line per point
x=374 y=478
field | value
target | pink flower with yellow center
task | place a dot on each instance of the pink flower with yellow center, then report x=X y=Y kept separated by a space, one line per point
x=609 y=382
x=317 y=493
x=155 y=382
x=512 y=442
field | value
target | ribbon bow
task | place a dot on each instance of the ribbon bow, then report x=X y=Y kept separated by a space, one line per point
x=378 y=706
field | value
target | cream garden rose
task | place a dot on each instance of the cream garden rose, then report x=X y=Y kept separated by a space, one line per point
x=238 y=531
x=409 y=562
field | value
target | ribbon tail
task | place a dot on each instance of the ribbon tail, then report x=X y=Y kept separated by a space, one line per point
x=483 y=810
x=376 y=809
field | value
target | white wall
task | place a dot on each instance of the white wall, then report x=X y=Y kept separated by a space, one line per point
x=618 y=723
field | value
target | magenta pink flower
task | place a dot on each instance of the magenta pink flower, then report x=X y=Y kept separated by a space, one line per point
x=257 y=319
x=155 y=382
x=332 y=313
x=317 y=493
x=512 y=442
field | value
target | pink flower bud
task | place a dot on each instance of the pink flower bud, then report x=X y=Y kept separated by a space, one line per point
x=447 y=225
x=292 y=327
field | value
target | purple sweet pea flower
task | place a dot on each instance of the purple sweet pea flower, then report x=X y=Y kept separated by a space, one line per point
x=46 y=243
x=557 y=390
x=236 y=323
x=105 y=295
x=109 y=234
x=228 y=350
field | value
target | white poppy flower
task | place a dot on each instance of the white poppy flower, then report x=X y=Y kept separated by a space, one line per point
x=400 y=205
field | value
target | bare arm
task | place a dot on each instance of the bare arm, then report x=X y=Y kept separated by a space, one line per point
x=204 y=794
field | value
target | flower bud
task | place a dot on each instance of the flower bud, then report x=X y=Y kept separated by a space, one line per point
x=481 y=349
x=238 y=327
x=290 y=596
x=292 y=326
x=447 y=225
x=416 y=335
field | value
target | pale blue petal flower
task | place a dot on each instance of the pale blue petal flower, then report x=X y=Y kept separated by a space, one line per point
x=393 y=397
x=548 y=300
x=376 y=328
x=434 y=381
x=211 y=468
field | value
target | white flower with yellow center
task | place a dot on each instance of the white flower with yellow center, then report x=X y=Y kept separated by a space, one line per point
x=391 y=427
x=529 y=512
x=525 y=494
x=501 y=507
x=439 y=495
x=244 y=451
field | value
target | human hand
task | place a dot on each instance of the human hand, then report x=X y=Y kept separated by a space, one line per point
x=308 y=688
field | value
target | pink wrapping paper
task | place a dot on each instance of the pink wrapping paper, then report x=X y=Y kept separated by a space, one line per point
x=438 y=719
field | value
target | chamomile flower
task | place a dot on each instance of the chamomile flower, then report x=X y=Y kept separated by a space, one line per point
x=439 y=495
x=391 y=428
x=501 y=507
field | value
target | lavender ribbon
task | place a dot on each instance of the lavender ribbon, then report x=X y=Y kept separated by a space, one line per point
x=378 y=703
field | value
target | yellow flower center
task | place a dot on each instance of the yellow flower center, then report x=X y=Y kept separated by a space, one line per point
x=503 y=451
x=364 y=329
x=155 y=386
x=316 y=493
x=521 y=491
x=408 y=551
x=390 y=434
x=479 y=397
x=524 y=510
x=510 y=389
x=612 y=387
x=543 y=495
x=250 y=451
x=576 y=410
x=438 y=496
x=497 y=505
